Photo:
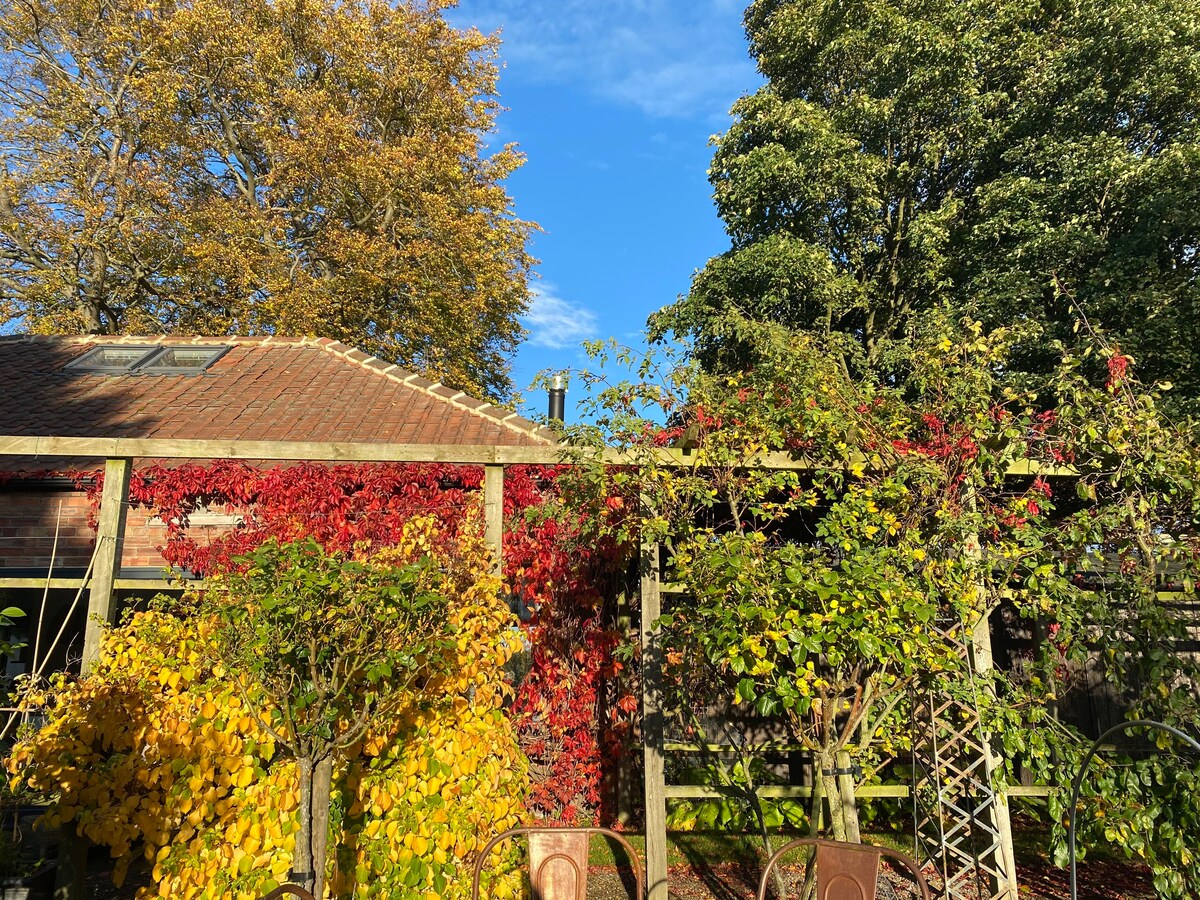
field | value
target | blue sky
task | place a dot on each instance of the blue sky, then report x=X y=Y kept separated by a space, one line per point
x=613 y=104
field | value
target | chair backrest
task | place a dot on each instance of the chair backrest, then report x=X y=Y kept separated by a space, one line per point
x=546 y=879
x=284 y=889
x=844 y=871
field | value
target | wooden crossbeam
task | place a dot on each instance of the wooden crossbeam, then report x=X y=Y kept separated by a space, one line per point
x=39 y=446
x=321 y=451
x=783 y=791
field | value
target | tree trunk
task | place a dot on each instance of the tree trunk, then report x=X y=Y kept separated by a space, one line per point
x=825 y=760
x=322 y=787
x=757 y=807
x=93 y=300
x=302 y=861
x=809 y=889
x=89 y=312
x=846 y=792
x=817 y=816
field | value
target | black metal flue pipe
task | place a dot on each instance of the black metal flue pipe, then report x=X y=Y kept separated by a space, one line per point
x=558 y=399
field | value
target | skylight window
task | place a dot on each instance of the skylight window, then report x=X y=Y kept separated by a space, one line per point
x=123 y=359
x=182 y=360
x=110 y=359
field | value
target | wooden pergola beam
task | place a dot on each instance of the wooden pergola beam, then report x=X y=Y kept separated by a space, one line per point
x=791 y=791
x=317 y=451
x=453 y=454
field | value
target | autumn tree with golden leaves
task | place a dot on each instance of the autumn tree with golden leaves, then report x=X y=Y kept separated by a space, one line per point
x=260 y=166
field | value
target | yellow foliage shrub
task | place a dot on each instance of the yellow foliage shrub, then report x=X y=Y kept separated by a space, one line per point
x=158 y=752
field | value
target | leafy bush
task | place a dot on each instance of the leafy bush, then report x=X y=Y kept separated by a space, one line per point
x=164 y=752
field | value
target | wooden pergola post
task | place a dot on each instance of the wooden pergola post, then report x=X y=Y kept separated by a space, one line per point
x=1005 y=883
x=962 y=821
x=626 y=770
x=493 y=514
x=110 y=536
x=653 y=749
x=71 y=878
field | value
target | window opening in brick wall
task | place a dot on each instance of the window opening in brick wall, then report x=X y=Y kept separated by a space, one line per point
x=205 y=515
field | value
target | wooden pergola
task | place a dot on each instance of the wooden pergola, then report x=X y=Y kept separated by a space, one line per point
x=119 y=453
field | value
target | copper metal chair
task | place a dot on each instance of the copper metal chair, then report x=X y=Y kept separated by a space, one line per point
x=284 y=889
x=538 y=878
x=844 y=871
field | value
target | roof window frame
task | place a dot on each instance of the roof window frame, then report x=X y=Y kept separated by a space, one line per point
x=148 y=365
x=82 y=364
x=145 y=363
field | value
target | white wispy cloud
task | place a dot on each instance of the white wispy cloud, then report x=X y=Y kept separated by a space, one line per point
x=682 y=89
x=557 y=323
x=677 y=58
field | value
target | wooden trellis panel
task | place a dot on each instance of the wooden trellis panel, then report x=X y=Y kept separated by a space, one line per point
x=962 y=822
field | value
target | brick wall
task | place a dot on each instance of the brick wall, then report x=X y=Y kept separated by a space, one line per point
x=27 y=523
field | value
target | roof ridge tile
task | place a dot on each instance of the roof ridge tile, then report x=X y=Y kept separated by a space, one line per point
x=508 y=418
x=266 y=340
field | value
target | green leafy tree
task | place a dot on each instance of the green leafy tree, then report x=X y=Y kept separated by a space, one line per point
x=1016 y=162
x=321 y=646
x=249 y=167
x=932 y=496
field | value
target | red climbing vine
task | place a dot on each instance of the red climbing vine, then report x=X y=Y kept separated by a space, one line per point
x=566 y=708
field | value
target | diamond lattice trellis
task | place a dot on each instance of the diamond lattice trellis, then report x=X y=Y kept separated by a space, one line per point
x=962 y=823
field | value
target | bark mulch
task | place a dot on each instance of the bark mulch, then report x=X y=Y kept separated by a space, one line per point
x=1098 y=880
x=699 y=880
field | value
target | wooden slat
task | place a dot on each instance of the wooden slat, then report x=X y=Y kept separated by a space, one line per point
x=866 y=791
x=344 y=451
x=159 y=584
x=765 y=747
x=1031 y=790
x=335 y=451
x=121 y=584
x=110 y=534
x=782 y=791
x=72 y=584
x=156 y=584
